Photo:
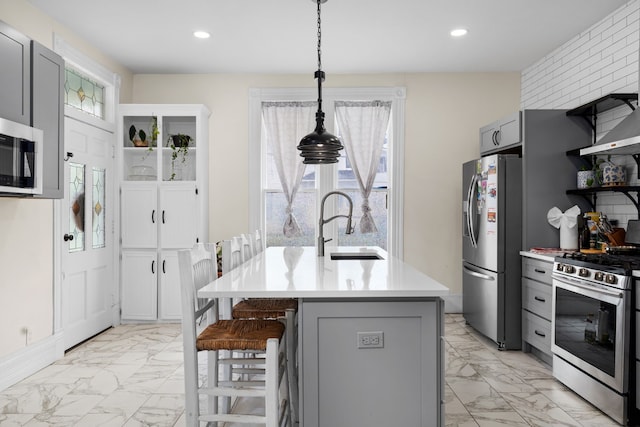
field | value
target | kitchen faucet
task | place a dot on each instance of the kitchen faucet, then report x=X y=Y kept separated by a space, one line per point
x=321 y=240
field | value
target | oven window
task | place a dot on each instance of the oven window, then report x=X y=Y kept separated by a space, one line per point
x=7 y=154
x=6 y=160
x=585 y=327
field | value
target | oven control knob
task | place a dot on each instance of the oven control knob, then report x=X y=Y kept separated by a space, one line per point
x=569 y=269
x=611 y=279
x=599 y=276
x=559 y=267
x=584 y=272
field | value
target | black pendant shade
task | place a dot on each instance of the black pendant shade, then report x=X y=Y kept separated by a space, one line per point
x=320 y=147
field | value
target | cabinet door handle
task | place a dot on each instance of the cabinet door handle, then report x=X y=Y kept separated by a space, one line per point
x=497 y=137
x=540 y=334
x=493 y=138
x=153 y=216
x=537 y=298
x=537 y=270
x=163 y=216
x=153 y=266
x=163 y=263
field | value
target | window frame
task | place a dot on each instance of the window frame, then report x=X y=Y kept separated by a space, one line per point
x=396 y=95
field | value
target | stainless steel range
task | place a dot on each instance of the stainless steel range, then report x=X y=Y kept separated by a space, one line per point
x=591 y=324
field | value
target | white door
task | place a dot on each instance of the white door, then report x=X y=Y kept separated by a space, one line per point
x=139 y=284
x=178 y=216
x=169 y=294
x=87 y=215
x=139 y=206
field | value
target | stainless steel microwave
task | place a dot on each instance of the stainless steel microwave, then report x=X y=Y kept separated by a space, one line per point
x=21 y=157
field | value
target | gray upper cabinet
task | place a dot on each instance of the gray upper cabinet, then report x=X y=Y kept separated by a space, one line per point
x=542 y=138
x=501 y=134
x=47 y=113
x=15 y=71
x=547 y=136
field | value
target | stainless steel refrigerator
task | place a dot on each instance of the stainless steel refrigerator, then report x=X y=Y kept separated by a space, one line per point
x=492 y=236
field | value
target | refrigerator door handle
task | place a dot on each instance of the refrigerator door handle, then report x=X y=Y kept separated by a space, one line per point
x=470 y=194
x=470 y=272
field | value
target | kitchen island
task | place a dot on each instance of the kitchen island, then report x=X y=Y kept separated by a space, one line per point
x=370 y=332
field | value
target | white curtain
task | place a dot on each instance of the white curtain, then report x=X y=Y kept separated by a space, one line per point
x=363 y=126
x=286 y=124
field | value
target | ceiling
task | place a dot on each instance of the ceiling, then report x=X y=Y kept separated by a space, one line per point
x=358 y=36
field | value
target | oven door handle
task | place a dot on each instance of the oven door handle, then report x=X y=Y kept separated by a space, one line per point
x=615 y=298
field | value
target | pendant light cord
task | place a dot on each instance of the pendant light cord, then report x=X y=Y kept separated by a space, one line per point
x=319 y=75
x=319 y=39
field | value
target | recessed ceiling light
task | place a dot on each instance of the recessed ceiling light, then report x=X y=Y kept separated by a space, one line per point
x=201 y=34
x=458 y=32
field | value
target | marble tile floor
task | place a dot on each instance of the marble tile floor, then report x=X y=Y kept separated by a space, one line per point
x=132 y=375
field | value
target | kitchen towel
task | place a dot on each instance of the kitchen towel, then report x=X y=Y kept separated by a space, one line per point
x=567 y=222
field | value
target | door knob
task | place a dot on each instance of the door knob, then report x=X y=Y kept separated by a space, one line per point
x=68 y=237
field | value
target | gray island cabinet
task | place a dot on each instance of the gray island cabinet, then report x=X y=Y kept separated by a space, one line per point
x=371 y=349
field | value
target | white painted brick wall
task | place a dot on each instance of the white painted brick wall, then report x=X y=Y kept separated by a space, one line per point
x=600 y=60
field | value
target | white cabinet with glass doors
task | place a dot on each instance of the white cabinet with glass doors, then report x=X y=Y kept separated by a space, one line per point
x=163 y=203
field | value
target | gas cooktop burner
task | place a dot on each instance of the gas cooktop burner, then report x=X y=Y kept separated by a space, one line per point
x=616 y=264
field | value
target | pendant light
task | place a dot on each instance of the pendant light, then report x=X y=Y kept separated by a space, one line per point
x=320 y=147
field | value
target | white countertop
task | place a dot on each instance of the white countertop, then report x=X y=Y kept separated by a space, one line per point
x=543 y=257
x=297 y=272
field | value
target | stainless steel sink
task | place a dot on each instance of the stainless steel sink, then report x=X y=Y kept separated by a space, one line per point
x=354 y=255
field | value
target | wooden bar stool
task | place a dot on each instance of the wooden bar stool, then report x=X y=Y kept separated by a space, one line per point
x=265 y=339
x=285 y=309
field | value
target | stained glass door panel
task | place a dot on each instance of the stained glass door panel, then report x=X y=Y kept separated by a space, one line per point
x=77 y=207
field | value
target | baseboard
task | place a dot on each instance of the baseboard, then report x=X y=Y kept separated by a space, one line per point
x=27 y=361
x=453 y=303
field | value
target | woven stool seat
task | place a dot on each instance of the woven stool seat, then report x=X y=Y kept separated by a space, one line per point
x=239 y=335
x=264 y=308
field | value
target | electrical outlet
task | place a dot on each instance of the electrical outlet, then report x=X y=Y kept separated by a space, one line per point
x=371 y=339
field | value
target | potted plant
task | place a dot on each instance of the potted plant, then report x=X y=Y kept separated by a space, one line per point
x=154 y=131
x=179 y=144
x=138 y=137
x=586 y=177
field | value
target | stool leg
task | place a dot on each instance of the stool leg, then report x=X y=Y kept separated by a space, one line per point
x=227 y=375
x=272 y=383
x=212 y=380
x=192 y=408
x=292 y=366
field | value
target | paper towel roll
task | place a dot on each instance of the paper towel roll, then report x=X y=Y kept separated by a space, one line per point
x=569 y=237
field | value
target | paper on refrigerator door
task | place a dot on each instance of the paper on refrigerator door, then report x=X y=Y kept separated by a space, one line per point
x=491 y=199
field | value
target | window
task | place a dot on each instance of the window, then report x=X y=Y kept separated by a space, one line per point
x=269 y=202
x=83 y=93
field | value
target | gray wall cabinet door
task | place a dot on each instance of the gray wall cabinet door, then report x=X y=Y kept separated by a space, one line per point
x=15 y=71
x=48 y=114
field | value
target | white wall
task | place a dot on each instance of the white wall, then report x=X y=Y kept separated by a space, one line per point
x=443 y=115
x=601 y=60
x=26 y=226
